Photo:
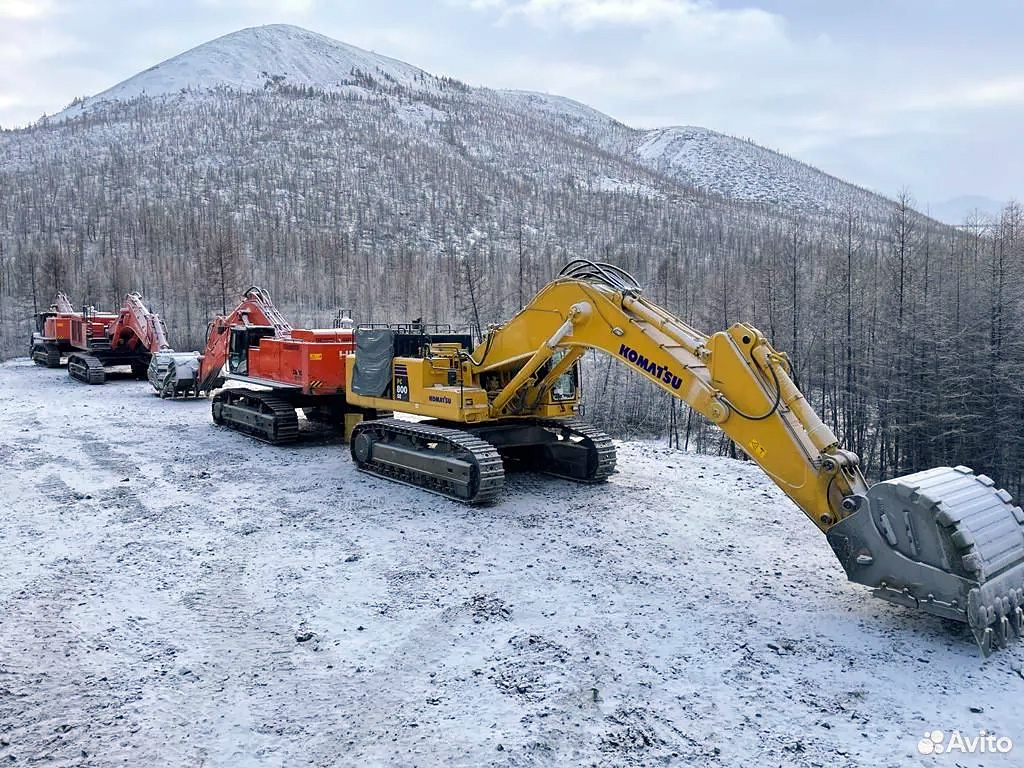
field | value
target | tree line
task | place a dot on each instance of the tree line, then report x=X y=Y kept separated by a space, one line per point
x=901 y=331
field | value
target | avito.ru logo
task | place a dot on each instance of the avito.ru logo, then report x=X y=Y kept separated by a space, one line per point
x=934 y=743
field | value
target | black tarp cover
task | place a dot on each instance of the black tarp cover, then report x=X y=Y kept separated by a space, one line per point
x=374 y=352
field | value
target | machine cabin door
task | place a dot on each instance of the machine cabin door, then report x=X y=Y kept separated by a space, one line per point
x=243 y=337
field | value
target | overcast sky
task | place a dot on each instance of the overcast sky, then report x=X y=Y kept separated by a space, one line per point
x=926 y=95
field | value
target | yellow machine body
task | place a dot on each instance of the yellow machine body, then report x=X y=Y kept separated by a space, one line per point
x=945 y=540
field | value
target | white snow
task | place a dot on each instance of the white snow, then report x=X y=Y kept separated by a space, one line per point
x=420 y=114
x=608 y=184
x=258 y=57
x=175 y=594
x=745 y=171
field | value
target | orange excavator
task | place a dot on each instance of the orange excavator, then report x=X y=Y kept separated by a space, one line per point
x=52 y=338
x=101 y=340
x=274 y=370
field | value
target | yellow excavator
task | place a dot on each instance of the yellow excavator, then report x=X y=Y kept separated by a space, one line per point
x=945 y=541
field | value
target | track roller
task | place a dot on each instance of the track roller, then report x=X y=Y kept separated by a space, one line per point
x=445 y=461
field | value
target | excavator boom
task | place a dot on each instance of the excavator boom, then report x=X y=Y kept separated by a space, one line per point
x=945 y=541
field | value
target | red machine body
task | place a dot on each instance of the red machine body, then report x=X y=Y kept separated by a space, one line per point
x=130 y=337
x=313 y=360
x=57 y=328
x=284 y=369
x=52 y=337
x=91 y=328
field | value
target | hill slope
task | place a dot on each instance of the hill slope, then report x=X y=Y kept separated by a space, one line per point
x=281 y=55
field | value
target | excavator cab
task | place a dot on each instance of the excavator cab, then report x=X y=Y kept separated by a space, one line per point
x=242 y=338
x=567 y=386
x=41 y=318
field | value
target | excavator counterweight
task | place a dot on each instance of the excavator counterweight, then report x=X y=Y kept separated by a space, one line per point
x=945 y=541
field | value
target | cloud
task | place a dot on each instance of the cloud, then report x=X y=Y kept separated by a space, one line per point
x=285 y=7
x=977 y=94
x=595 y=82
x=25 y=10
x=587 y=13
x=696 y=18
x=31 y=79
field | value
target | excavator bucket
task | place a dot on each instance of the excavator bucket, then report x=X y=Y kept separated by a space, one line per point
x=173 y=374
x=946 y=541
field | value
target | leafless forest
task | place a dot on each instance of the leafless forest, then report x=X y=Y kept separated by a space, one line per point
x=902 y=331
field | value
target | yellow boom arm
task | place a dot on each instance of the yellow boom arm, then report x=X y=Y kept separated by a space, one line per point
x=944 y=540
x=734 y=378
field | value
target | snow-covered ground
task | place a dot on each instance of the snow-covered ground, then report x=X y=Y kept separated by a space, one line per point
x=172 y=594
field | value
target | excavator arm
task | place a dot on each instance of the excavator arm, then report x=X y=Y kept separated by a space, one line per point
x=945 y=540
x=194 y=372
x=734 y=378
x=137 y=327
x=256 y=308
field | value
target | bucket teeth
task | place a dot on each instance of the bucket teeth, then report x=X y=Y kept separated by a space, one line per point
x=985 y=638
x=994 y=625
x=1003 y=632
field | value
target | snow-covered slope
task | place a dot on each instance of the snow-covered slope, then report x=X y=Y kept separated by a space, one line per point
x=259 y=57
x=268 y=57
x=745 y=171
x=575 y=117
x=196 y=611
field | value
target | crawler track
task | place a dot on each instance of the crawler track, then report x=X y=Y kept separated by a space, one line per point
x=264 y=415
x=442 y=460
x=567 y=448
x=86 y=368
x=46 y=355
x=600 y=451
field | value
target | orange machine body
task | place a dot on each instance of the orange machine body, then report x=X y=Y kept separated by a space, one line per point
x=312 y=360
x=86 y=328
x=58 y=327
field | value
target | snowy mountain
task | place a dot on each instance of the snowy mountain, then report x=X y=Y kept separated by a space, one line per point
x=283 y=56
x=337 y=177
x=262 y=57
x=745 y=171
